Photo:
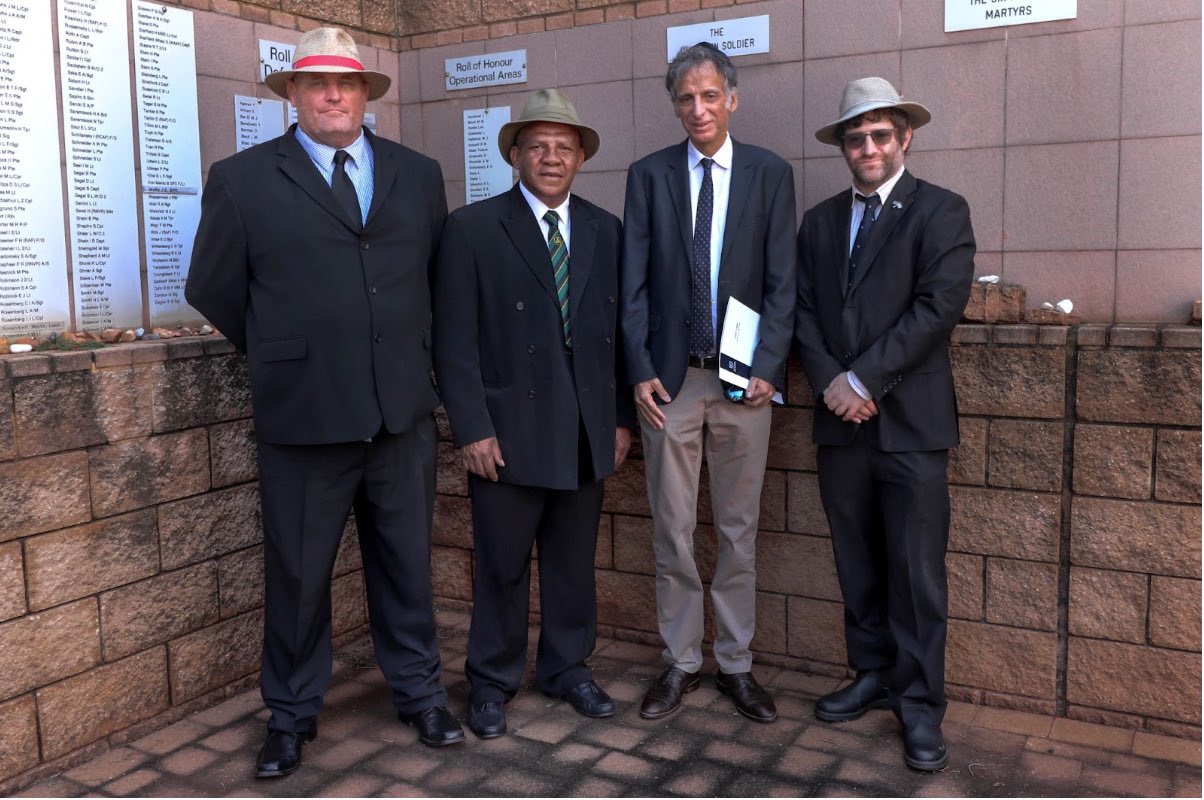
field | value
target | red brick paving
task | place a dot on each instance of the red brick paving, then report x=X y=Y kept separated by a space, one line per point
x=705 y=749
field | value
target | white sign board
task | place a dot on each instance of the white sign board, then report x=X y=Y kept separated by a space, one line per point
x=735 y=37
x=966 y=15
x=256 y=120
x=491 y=69
x=485 y=173
x=274 y=57
x=33 y=246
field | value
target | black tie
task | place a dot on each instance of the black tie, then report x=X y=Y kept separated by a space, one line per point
x=344 y=189
x=863 y=231
x=702 y=334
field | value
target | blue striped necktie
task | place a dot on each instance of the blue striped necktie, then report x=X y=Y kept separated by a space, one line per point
x=560 y=270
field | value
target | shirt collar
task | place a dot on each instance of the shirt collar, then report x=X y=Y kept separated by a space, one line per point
x=539 y=208
x=325 y=153
x=722 y=157
x=885 y=189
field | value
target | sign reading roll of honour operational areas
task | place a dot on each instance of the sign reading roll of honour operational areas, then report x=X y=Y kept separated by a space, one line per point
x=735 y=37
x=966 y=15
x=95 y=77
x=490 y=69
x=33 y=249
x=171 y=153
x=485 y=173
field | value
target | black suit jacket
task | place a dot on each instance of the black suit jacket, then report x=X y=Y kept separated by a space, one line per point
x=499 y=342
x=891 y=327
x=756 y=261
x=335 y=322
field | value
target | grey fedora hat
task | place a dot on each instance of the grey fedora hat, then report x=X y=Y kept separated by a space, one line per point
x=870 y=94
x=327 y=50
x=547 y=105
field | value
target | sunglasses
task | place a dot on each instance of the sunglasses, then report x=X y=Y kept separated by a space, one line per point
x=882 y=137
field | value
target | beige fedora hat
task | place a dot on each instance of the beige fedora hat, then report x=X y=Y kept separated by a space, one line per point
x=547 y=105
x=327 y=50
x=870 y=94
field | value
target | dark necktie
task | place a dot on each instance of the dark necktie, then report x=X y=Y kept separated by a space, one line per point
x=863 y=231
x=344 y=189
x=560 y=271
x=702 y=334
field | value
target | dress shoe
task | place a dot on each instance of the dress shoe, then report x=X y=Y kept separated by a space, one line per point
x=589 y=700
x=280 y=754
x=924 y=747
x=665 y=695
x=487 y=720
x=751 y=700
x=851 y=702
x=436 y=726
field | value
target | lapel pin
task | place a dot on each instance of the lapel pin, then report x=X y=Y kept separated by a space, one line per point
x=895 y=204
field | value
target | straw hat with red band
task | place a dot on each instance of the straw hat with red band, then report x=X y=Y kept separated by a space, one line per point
x=329 y=50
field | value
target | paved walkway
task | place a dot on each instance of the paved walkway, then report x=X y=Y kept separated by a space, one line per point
x=706 y=749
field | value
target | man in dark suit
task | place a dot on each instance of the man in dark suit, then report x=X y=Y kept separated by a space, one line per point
x=705 y=222
x=884 y=275
x=312 y=257
x=525 y=306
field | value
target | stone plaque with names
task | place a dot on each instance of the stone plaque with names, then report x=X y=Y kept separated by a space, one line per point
x=99 y=135
x=169 y=135
x=485 y=173
x=256 y=119
x=33 y=247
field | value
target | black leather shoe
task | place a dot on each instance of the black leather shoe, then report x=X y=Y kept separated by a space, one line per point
x=280 y=754
x=665 y=695
x=751 y=700
x=924 y=747
x=589 y=700
x=436 y=726
x=487 y=720
x=851 y=702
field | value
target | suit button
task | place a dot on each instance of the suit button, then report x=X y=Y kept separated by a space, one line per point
x=519 y=305
x=608 y=340
x=371 y=290
x=531 y=394
x=530 y=348
x=378 y=338
x=610 y=298
x=612 y=385
x=848 y=355
x=363 y=245
x=687 y=323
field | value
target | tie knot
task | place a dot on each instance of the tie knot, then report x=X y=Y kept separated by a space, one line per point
x=706 y=164
x=552 y=218
x=872 y=201
x=340 y=157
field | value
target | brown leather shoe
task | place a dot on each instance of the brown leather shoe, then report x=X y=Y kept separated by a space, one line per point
x=751 y=700
x=665 y=695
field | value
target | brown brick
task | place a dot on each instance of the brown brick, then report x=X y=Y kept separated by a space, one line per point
x=633 y=544
x=1015 y=334
x=1177 y=473
x=451 y=477
x=38 y=649
x=1105 y=604
x=773 y=501
x=557 y=22
x=222 y=381
x=1116 y=385
x=142 y=472
x=28 y=366
x=1138 y=680
x=215 y=656
x=493 y=10
x=43 y=494
x=1165 y=748
x=232 y=453
x=1054 y=335
x=995 y=302
x=593 y=16
x=1010 y=381
x=424 y=40
x=790 y=445
x=627 y=601
x=619 y=12
x=1195 y=312
x=1181 y=337
x=650 y=8
x=804 y=509
x=678 y=6
x=19 y=744
x=1139 y=537
x=770 y=634
x=1009 y=660
x=153 y=611
x=210 y=525
x=451 y=37
x=1022 y=593
x=790 y=563
x=1175 y=613
x=88 y=559
x=1113 y=461
x=453 y=521
x=476 y=33
x=968 y=461
x=240 y=581
x=12 y=583
x=451 y=572
x=101 y=701
x=69 y=411
x=971 y=334
x=816 y=629
x=965 y=585
x=604 y=550
x=626 y=492
x=1132 y=336
x=1025 y=455
x=348 y=605
x=988 y=521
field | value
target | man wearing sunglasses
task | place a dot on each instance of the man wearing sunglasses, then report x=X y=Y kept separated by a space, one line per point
x=884 y=276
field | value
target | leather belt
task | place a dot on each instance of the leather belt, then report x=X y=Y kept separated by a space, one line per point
x=704 y=362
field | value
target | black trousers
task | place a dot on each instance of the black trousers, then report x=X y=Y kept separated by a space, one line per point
x=306 y=493
x=889 y=515
x=507 y=520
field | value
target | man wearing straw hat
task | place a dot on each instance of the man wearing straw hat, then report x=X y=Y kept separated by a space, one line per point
x=526 y=291
x=884 y=275
x=312 y=256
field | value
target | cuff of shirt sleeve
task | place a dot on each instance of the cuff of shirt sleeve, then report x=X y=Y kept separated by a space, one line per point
x=857 y=386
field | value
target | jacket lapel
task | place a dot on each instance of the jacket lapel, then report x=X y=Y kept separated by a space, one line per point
x=895 y=207
x=524 y=232
x=384 y=173
x=840 y=235
x=584 y=235
x=299 y=167
x=677 y=177
x=737 y=199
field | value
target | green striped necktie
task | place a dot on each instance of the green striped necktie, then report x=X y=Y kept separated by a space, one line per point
x=560 y=268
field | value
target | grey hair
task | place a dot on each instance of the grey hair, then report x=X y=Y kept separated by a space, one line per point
x=696 y=55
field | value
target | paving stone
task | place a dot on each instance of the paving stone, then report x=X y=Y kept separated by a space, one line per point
x=616 y=737
x=132 y=783
x=549 y=731
x=696 y=780
x=1112 y=781
x=188 y=760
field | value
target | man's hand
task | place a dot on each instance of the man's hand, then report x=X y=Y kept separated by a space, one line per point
x=646 y=403
x=758 y=393
x=482 y=458
x=844 y=402
x=622 y=445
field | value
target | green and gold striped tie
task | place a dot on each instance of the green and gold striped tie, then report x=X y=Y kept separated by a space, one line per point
x=560 y=269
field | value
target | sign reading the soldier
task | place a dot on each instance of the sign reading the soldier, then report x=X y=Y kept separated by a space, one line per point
x=735 y=37
x=967 y=15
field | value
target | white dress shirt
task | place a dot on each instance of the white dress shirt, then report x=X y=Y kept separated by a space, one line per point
x=539 y=208
x=721 y=182
x=358 y=165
